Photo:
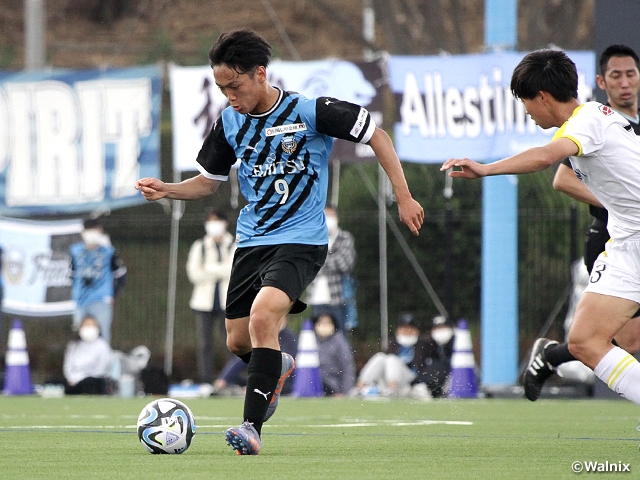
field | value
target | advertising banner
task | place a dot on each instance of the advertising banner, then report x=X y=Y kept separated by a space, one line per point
x=76 y=141
x=36 y=266
x=462 y=106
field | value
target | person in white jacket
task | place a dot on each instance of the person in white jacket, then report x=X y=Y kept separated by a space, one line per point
x=209 y=269
x=87 y=361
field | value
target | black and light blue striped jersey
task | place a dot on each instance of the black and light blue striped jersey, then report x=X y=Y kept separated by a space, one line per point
x=283 y=164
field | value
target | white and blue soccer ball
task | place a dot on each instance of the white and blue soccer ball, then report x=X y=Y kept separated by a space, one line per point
x=166 y=425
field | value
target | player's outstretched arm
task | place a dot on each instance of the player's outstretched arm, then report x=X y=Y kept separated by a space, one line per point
x=193 y=188
x=529 y=161
x=410 y=211
x=467 y=168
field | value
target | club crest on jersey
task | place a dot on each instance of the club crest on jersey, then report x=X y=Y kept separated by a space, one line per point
x=607 y=110
x=282 y=129
x=288 y=144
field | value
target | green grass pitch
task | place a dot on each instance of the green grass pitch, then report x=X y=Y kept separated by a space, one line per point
x=94 y=438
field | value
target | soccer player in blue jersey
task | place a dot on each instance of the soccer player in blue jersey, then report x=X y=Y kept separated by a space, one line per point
x=282 y=141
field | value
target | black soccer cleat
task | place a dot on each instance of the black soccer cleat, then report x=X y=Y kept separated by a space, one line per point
x=538 y=369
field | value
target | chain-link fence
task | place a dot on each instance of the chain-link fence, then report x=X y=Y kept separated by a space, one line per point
x=548 y=241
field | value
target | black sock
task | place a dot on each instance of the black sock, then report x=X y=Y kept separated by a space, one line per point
x=246 y=357
x=264 y=373
x=559 y=354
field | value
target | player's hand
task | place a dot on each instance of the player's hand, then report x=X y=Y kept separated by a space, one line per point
x=151 y=188
x=468 y=168
x=411 y=214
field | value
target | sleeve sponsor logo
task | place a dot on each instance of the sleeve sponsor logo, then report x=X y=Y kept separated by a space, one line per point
x=360 y=123
x=606 y=109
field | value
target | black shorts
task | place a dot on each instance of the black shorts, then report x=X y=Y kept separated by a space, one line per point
x=596 y=238
x=289 y=267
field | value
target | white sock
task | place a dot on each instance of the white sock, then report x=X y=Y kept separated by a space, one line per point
x=621 y=372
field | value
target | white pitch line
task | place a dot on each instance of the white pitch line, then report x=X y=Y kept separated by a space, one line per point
x=66 y=427
x=393 y=424
x=385 y=423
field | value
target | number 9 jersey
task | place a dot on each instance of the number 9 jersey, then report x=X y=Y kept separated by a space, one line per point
x=283 y=164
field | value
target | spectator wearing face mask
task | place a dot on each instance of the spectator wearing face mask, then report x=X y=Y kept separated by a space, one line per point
x=209 y=269
x=400 y=371
x=98 y=274
x=87 y=361
x=438 y=356
x=337 y=366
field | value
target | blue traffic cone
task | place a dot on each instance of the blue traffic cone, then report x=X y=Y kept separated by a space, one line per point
x=17 y=379
x=308 y=381
x=463 y=373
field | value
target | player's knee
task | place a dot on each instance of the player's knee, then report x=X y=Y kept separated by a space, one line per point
x=263 y=327
x=237 y=345
x=232 y=345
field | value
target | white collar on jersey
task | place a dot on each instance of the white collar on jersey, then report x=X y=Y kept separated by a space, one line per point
x=275 y=105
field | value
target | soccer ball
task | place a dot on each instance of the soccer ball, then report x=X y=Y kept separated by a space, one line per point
x=166 y=426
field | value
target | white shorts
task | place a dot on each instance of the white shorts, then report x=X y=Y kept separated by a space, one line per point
x=616 y=272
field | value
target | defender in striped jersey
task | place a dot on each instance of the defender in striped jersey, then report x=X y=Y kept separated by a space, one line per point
x=282 y=142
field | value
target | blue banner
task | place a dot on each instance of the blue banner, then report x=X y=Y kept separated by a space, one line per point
x=76 y=141
x=36 y=266
x=462 y=106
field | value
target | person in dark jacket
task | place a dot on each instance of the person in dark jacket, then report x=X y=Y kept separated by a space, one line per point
x=337 y=366
x=402 y=369
x=439 y=350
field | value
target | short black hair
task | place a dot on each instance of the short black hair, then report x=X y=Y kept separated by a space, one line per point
x=241 y=50
x=407 y=319
x=616 y=50
x=212 y=212
x=90 y=223
x=545 y=70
